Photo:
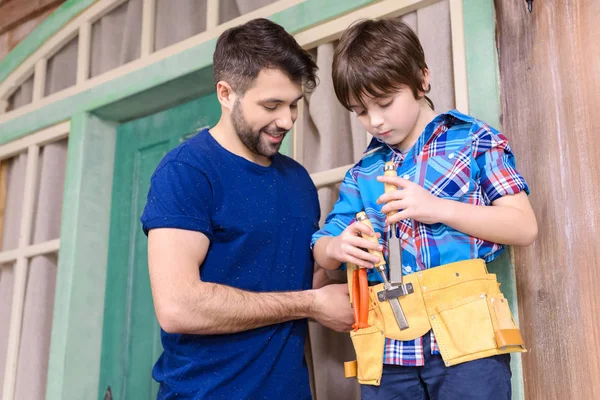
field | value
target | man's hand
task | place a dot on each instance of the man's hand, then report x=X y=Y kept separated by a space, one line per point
x=415 y=202
x=331 y=307
x=350 y=246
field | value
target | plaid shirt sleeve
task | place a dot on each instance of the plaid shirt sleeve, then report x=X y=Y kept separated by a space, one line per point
x=344 y=210
x=496 y=161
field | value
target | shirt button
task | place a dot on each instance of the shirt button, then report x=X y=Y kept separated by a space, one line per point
x=405 y=236
x=406 y=176
x=451 y=155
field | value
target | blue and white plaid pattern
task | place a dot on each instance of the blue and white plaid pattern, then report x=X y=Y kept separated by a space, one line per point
x=457 y=157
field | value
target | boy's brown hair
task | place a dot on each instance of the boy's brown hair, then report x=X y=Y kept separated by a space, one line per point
x=376 y=57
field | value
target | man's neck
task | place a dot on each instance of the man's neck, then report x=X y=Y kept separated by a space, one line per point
x=224 y=133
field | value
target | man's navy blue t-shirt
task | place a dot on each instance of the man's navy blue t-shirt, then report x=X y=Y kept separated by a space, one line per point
x=259 y=221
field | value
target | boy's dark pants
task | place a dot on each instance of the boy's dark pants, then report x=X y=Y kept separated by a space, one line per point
x=483 y=379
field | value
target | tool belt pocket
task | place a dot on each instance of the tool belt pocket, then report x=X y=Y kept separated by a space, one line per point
x=475 y=326
x=463 y=327
x=506 y=333
x=369 y=344
x=414 y=309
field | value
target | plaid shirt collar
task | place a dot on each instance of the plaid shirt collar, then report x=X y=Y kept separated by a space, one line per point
x=448 y=118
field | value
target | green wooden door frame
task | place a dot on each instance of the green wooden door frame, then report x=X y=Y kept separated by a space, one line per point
x=131 y=336
x=73 y=371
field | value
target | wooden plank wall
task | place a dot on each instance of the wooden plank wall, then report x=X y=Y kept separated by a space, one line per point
x=550 y=83
x=18 y=18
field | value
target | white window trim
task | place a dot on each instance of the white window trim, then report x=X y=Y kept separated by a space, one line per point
x=25 y=250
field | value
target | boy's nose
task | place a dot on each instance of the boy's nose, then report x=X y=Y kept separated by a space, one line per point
x=376 y=120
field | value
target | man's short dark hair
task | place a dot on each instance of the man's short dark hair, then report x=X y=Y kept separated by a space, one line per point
x=243 y=51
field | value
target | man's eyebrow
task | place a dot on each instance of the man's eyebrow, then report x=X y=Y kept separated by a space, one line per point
x=275 y=100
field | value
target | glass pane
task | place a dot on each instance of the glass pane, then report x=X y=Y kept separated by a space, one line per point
x=230 y=9
x=14 y=187
x=116 y=37
x=22 y=96
x=176 y=21
x=34 y=349
x=48 y=208
x=6 y=293
x=61 y=71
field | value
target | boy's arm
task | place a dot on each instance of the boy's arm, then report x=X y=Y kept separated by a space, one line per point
x=510 y=220
x=339 y=240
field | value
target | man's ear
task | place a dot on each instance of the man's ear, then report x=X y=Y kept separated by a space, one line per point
x=226 y=95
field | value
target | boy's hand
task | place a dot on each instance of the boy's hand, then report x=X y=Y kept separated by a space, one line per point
x=349 y=246
x=414 y=201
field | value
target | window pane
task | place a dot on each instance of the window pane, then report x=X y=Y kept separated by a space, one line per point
x=22 y=96
x=230 y=9
x=34 y=349
x=176 y=21
x=6 y=293
x=116 y=37
x=14 y=186
x=48 y=208
x=61 y=70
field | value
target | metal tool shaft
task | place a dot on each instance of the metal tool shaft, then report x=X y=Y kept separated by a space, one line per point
x=380 y=267
x=394 y=303
x=394 y=247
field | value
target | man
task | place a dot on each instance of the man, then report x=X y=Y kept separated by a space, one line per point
x=229 y=222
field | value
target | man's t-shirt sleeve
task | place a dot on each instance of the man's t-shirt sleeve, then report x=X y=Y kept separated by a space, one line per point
x=180 y=197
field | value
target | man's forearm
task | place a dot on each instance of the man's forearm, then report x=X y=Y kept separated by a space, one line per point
x=498 y=224
x=209 y=308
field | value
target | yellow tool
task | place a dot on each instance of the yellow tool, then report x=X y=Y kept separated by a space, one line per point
x=390 y=292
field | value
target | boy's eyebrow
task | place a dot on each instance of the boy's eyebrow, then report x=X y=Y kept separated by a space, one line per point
x=275 y=100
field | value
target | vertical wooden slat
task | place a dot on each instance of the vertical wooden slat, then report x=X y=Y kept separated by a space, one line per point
x=3 y=183
x=39 y=79
x=84 y=52
x=212 y=14
x=549 y=63
x=21 y=266
x=459 y=56
x=148 y=27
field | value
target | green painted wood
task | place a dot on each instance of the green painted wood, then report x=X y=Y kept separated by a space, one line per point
x=55 y=21
x=165 y=72
x=131 y=342
x=74 y=363
x=484 y=103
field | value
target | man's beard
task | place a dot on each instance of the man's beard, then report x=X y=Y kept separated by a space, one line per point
x=252 y=140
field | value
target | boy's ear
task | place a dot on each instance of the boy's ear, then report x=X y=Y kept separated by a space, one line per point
x=226 y=95
x=426 y=83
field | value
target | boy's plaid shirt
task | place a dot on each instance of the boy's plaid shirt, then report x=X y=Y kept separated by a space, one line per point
x=456 y=157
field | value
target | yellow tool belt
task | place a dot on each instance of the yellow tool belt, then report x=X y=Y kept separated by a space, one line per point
x=461 y=302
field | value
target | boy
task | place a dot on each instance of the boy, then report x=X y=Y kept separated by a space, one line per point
x=460 y=199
